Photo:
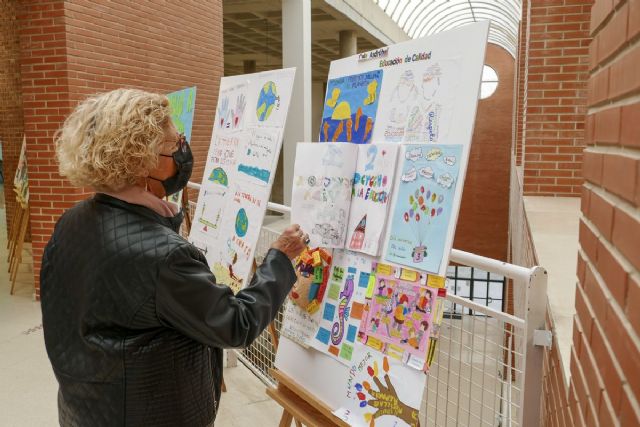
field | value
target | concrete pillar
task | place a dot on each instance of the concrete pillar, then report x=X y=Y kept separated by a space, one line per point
x=348 y=43
x=296 y=52
x=249 y=66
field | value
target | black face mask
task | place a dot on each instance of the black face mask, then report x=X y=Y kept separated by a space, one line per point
x=183 y=159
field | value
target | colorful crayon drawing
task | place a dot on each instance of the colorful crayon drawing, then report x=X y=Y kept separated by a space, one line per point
x=421 y=220
x=350 y=108
x=321 y=194
x=231 y=107
x=398 y=315
x=183 y=104
x=268 y=100
x=381 y=392
x=343 y=304
x=370 y=197
x=258 y=157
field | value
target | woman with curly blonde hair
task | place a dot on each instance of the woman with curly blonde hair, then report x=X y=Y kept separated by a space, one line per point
x=133 y=319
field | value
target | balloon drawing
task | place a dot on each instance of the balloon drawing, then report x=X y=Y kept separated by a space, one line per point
x=423 y=207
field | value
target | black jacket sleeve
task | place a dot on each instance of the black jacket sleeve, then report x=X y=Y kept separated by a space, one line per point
x=188 y=299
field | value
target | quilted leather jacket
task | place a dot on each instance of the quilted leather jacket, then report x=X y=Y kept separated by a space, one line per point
x=134 y=323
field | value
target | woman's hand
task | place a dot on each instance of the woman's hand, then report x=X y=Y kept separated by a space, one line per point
x=292 y=241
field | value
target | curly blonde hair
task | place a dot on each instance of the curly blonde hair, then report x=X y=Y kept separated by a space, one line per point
x=111 y=140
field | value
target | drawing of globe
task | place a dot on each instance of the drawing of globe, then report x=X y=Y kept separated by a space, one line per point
x=266 y=101
x=242 y=223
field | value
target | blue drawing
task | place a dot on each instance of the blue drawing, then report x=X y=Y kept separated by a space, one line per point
x=350 y=108
x=351 y=333
x=242 y=223
x=268 y=99
x=329 y=311
x=422 y=215
x=323 y=336
x=183 y=104
x=363 y=281
x=258 y=173
x=219 y=176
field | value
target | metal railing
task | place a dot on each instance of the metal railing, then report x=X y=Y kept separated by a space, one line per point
x=483 y=357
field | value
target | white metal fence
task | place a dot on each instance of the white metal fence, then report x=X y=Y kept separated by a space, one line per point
x=482 y=359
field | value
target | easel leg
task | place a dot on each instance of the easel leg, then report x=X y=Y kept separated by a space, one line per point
x=298 y=423
x=286 y=419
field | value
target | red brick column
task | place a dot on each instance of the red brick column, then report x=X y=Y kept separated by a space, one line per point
x=556 y=96
x=605 y=362
x=71 y=49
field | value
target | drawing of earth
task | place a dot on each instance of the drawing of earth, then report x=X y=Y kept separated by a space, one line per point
x=267 y=100
x=242 y=223
x=219 y=176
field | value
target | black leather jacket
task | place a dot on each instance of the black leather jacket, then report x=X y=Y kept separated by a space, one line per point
x=133 y=321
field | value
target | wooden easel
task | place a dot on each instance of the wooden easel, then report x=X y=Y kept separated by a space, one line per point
x=19 y=225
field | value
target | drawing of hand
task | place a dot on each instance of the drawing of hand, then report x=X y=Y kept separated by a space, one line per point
x=241 y=103
x=385 y=399
x=223 y=111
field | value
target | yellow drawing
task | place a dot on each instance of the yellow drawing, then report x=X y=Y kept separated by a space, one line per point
x=335 y=93
x=371 y=90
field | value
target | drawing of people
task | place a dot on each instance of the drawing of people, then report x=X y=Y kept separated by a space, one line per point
x=405 y=89
x=400 y=311
x=431 y=82
x=424 y=298
x=424 y=325
x=381 y=287
x=375 y=324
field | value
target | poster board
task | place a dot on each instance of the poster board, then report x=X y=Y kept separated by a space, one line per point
x=439 y=110
x=239 y=171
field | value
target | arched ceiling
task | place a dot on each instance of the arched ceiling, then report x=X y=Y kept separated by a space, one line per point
x=419 y=18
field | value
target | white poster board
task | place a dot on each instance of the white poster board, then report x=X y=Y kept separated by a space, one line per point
x=239 y=172
x=428 y=95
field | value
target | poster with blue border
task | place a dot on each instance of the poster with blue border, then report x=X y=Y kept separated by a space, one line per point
x=350 y=108
x=424 y=206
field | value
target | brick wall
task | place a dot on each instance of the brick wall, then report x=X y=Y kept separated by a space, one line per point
x=556 y=96
x=484 y=213
x=11 y=123
x=75 y=48
x=605 y=362
x=520 y=98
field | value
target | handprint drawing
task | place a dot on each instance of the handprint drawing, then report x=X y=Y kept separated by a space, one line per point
x=385 y=399
x=238 y=112
x=223 y=113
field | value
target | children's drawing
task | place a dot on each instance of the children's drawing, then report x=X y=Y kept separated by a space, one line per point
x=21 y=178
x=371 y=195
x=231 y=263
x=343 y=304
x=182 y=104
x=321 y=195
x=382 y=392
x=421 y=219
x=398 y=314
x=258 y=159
x=418 y=101
x=271 y=93
x=238 y=173
x=350 y=108
x=298 y=324
x=232 y=103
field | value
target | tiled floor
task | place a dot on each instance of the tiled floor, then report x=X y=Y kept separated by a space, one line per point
x=28 y=388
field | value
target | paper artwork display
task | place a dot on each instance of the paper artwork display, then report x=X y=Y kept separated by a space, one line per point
x=258 y=159
x=343 y=305
x=321 y=195
x=232 y=105
x=421 y=221
x=371 y=197
x=399 y=310
x=381 y=392
x=298 y=324
x=350 y=108
x=183 y=104
x=238 y=175
x=419 y=102
x=21 y=178
x=271 y=99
